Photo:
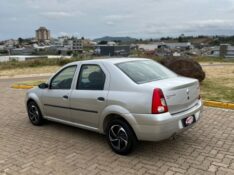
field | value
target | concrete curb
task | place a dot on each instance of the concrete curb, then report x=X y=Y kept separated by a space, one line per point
x=15 y=86
x=219 y=104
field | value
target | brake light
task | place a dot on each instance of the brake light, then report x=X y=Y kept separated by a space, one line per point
x=159 y=104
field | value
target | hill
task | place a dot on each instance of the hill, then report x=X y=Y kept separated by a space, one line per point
x=110 y=38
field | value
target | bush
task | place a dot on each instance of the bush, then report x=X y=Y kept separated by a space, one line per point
x=185 y=67
x=63 y=62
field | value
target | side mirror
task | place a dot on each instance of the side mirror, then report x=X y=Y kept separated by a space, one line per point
x=43 y=86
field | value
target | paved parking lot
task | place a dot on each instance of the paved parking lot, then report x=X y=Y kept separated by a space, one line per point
x=207 y=148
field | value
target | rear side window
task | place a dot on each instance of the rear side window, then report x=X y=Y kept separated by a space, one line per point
x=91 y=77
x=144 y=71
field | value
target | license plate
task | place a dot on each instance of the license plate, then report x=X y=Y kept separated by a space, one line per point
x=188 y=121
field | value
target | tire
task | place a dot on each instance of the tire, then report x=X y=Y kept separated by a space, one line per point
x=120 y=137
x=34 y=113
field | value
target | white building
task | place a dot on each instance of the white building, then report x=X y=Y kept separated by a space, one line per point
x=154 y=46
x=111 y=43
x=2 y=47
x=148 y=47
x=77 y=45
x=224 y=50
x=184 y=45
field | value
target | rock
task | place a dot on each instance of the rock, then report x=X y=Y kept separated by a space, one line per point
x=184 y=66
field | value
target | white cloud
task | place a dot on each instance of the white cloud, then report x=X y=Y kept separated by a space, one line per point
x=55 y=15
x=212 y=23
x=142 y=18
x=110 y=23
x=176 y=28
x=64 y=34
x=117 y=17
x=13 y=19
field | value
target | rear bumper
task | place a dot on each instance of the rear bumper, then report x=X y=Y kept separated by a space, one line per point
x=156 y=127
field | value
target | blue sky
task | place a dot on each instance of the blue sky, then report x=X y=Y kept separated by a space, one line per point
x=135 y=18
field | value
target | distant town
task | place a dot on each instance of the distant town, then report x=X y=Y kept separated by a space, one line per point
x=45 y=46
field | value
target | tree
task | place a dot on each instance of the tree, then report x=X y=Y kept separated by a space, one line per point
x=69 y=52
x=180 y=39
x=20 y=41
x=117 y=41
x=103 y=42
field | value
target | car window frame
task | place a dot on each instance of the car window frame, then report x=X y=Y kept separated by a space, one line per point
x=79 y=76
x=51 y=80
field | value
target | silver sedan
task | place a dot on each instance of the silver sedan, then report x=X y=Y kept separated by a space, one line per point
x=127 y=99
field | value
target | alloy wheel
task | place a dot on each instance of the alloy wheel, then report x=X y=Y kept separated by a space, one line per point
x=118 y=137
x=33 y=113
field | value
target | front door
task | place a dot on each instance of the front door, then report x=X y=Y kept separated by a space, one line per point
x=56 y=100
x=89 y=98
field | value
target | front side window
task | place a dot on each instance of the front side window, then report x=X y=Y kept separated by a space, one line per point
x=63 y=79
x=91 y=77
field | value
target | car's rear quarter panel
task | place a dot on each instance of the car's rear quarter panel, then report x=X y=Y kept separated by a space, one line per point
x=127 y=94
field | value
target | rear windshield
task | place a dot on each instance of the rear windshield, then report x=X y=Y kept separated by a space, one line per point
x=144 y=71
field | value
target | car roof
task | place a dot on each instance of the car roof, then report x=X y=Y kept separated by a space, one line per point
x=108 y=60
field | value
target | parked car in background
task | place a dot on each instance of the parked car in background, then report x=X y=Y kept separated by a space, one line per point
x=127 y=99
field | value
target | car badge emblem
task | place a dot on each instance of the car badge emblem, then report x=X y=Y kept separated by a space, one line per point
x=187 y=91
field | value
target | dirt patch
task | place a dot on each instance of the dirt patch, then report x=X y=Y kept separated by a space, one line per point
x=28 y=71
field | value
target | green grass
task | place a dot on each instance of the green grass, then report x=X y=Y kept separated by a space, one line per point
x=31 y=63
x=213 y=59
x=211 y=89
x=36 y=63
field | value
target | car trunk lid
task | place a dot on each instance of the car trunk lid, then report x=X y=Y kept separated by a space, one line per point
x=181 y=93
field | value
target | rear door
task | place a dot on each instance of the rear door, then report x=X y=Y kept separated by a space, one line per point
x=89 y=98
x=56 y=98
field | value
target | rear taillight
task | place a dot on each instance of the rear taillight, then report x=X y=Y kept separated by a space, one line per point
x=159 y=104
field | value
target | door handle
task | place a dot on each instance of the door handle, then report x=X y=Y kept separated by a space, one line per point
x=65 y=96
x=101 y=99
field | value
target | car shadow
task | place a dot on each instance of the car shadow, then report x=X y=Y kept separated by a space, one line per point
x=166 y=148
